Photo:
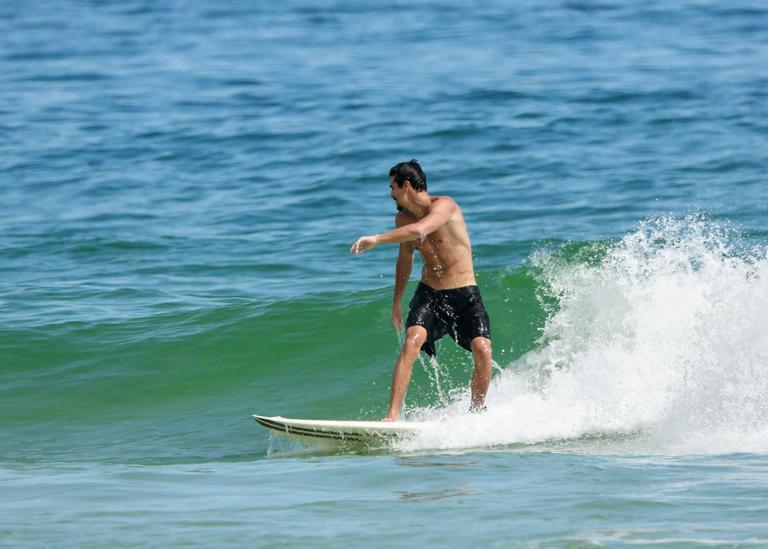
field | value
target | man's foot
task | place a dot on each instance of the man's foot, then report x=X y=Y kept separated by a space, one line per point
x=477 y=409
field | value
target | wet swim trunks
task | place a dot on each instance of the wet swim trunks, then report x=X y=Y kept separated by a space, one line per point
x=458 y=312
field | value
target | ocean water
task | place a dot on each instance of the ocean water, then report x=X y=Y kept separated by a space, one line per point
x=180 y=183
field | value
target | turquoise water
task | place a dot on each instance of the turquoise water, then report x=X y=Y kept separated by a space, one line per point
x=180 y=186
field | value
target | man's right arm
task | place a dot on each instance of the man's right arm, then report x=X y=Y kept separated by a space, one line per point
x=402 y=275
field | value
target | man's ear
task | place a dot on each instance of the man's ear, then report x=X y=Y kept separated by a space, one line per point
x=408 y=183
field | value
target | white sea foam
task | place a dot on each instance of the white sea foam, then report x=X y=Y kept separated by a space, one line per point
x=665 y=339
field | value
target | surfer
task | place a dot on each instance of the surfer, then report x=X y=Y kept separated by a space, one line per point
x=447 y=299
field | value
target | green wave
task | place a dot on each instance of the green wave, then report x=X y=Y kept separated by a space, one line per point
x=325 y=354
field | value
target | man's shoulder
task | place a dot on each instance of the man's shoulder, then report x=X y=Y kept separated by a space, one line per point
x=445 y=203
x=444 y=199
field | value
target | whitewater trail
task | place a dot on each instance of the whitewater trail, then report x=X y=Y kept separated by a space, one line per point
x=661 y=341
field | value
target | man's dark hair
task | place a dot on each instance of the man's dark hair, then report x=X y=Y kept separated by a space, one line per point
x=410 y=171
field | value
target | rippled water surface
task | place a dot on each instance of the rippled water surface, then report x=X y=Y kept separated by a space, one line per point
x=180 y=184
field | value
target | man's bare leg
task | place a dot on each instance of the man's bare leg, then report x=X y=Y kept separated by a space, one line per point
x=481 y=377
x=415 y=336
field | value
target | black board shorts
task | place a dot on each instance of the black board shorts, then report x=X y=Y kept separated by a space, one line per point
x=457 y=312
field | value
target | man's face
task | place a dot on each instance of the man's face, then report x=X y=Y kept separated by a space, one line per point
x=397 y=194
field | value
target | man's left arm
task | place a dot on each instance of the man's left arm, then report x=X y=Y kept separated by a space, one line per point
x=441 y=212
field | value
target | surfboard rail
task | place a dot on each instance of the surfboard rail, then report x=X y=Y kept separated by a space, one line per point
x=340 y=431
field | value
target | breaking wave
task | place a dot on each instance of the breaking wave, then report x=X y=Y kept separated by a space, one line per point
x=657 y=340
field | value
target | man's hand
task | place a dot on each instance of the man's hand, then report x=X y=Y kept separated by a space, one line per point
x=363 y=244
x=397 y=317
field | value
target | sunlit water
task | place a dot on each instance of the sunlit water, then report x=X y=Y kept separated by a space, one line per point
x=180 y=187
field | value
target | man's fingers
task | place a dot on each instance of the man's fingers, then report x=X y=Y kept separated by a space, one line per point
x=363 y=244
x=397 y=322
x=359 y=246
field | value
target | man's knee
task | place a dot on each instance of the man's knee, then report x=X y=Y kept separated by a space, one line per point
x=415 y=336
x=481 y=349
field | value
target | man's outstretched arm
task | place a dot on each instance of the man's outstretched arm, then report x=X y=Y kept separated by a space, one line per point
x=439 y=215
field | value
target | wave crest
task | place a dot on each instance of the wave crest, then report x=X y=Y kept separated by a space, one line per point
x=661 y=333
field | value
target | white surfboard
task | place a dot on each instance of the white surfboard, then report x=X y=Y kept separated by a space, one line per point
x=318 y=430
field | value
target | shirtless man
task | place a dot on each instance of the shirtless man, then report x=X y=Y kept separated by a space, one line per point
x=447 y=300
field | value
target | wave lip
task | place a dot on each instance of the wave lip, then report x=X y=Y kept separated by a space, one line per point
x=658 y=337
